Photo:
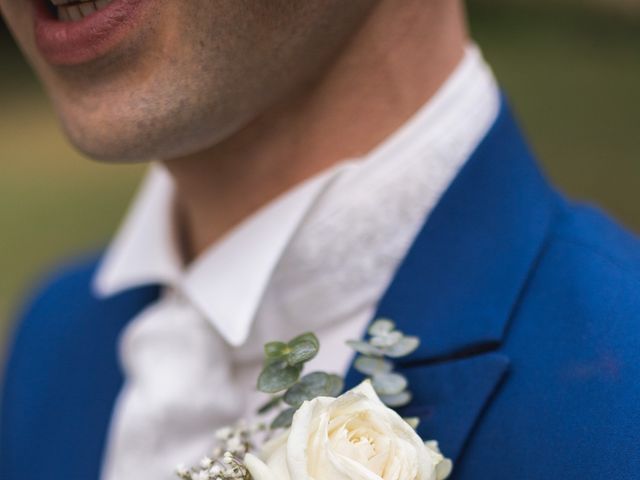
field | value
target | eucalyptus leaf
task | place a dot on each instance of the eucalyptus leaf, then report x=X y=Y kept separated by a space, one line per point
x=277 y=377
x=335 y=386
x=296 y=396
x=284 y=419
x=403 y=347
x=365 y=348
x=270 y=405
x=386 y=340
x=389 y=383
x=276 y=349
x=305 y=337
x=371 y=366
x=302 y=351
x=381 y=326
x=398 y=400
x=313 y=385
x=274 y=360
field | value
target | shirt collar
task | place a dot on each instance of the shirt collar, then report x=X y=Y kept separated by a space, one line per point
x=377 y=207
x=143 y=251
x=227 y=283
x=227 y=291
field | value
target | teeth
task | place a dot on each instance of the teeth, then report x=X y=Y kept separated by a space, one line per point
x=63 y=14
x=74 y=10
x=87 y=8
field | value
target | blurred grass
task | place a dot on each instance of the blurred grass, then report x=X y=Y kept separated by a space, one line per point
x=572 y=74
x=54 y=203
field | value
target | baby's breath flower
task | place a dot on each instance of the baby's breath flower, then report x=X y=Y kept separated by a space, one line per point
x=182 y=471
x=224 y=433
x=226 y=461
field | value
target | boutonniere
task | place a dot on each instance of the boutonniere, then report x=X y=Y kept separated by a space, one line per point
x=320 y=433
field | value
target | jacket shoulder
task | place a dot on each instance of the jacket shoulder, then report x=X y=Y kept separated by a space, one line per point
x=62 y=374
x=590 y=271
x=593 y=235
x=573 y=344
x=65 y=297
x=50 y=309
x=62 y=287
x=62 y=313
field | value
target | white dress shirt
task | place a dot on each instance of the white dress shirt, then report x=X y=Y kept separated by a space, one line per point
x=318 y=258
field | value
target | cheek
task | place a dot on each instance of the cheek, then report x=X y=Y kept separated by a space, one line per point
x=17 y=15
x=19 y=18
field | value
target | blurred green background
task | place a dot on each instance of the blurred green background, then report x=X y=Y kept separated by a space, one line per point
x=572 y=71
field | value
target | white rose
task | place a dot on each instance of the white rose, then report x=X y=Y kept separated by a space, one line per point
x=352 y=437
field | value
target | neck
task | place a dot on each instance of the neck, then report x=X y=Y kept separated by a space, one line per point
x=399 y=58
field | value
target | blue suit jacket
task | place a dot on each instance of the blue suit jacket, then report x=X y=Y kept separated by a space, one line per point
x=528 y=307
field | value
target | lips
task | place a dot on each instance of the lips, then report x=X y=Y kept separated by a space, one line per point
x=71 y=32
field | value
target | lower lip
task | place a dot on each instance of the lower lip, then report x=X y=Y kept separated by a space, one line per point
x=81 y=41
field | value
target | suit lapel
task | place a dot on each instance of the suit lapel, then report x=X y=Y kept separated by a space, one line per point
x=460 y=282
x=449 y=397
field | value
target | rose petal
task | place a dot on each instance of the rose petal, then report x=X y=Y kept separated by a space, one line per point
x=258 y=469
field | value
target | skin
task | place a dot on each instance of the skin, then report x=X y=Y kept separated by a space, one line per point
x=242 y=99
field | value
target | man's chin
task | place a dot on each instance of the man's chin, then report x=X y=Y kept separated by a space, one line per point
x=115 y=147
x=131 y=145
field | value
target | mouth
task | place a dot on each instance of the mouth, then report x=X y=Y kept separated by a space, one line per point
x=73 y=32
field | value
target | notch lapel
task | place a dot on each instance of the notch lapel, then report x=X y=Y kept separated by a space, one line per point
x=449 y=397
x=460 y=281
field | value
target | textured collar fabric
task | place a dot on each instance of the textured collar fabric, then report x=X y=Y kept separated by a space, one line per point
x=304 y=250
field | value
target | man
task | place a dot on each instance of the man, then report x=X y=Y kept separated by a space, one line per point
x=318 y=164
